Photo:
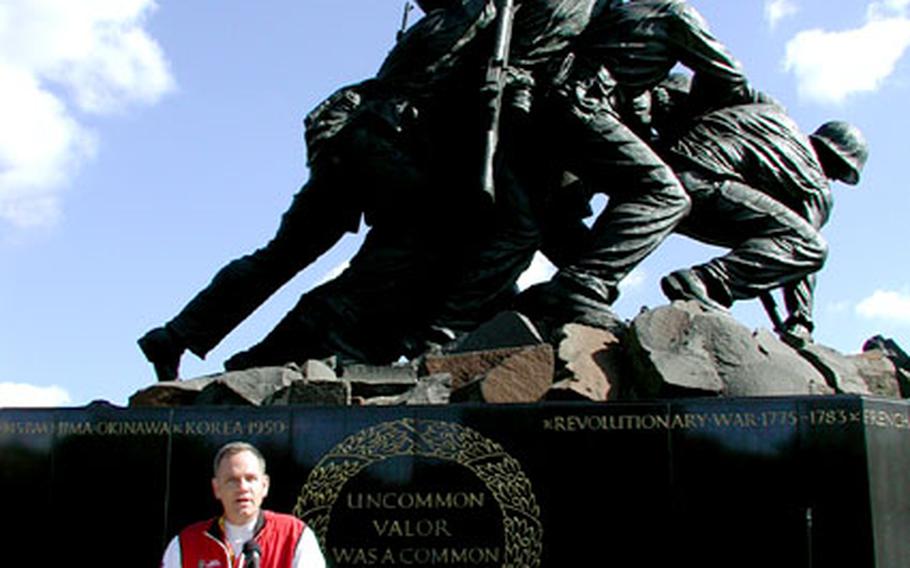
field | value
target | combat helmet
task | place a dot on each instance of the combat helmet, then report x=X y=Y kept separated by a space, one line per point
x=670 y=106
x=677 y=83
x=847 y=144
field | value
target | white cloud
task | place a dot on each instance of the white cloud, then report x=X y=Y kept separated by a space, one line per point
x=540 y=270
x=21 y=395
x=832 y=65
x=886 y=305
x=777 y=10
x=633 y=280
x=39 y=144
x=888 y=8
x=58 y=57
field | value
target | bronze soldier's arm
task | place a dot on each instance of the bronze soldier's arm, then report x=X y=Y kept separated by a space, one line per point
x=718 y=76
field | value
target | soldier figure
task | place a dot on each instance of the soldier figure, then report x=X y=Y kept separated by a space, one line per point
x=760 y=187
x=625 y=50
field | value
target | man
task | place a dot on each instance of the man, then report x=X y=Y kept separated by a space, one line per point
x=244 y=529
x=625 y=50
x=759 y=186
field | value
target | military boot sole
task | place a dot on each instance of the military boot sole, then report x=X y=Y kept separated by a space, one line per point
x=686 y=285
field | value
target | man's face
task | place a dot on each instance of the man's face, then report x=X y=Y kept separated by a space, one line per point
x=240 y=485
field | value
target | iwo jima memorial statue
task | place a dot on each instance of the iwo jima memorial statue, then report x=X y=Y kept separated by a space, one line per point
x=713 y=446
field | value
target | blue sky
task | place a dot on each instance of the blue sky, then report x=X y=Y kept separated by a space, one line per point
x=146 y=143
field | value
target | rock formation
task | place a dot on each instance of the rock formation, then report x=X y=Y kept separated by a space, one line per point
x=679 y=350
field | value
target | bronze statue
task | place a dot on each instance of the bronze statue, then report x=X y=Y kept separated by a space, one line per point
x=760 y=187
x=405 y=151
x=393 y=150
x=625 y=50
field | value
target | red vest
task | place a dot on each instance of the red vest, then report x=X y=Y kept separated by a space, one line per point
x=203 y=544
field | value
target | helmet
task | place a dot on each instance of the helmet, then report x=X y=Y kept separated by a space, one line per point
x=672 y=92
x=677 y=83
x=669 y=105
x=846 y=143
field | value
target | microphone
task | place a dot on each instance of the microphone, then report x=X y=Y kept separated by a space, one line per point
x=251 y=554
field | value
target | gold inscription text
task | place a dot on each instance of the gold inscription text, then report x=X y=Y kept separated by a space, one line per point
x=391 y=500
x=477 y=556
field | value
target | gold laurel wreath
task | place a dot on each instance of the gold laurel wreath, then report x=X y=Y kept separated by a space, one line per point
x=500 y=473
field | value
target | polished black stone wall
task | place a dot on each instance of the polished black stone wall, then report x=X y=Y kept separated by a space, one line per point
x=811 y=481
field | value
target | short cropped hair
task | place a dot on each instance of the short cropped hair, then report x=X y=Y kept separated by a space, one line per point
x=232 y=448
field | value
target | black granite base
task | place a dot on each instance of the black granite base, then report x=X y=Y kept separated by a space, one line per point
x=802 y=482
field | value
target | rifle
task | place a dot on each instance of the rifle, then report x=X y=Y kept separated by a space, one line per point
x=767 y=300
x=493 y=88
